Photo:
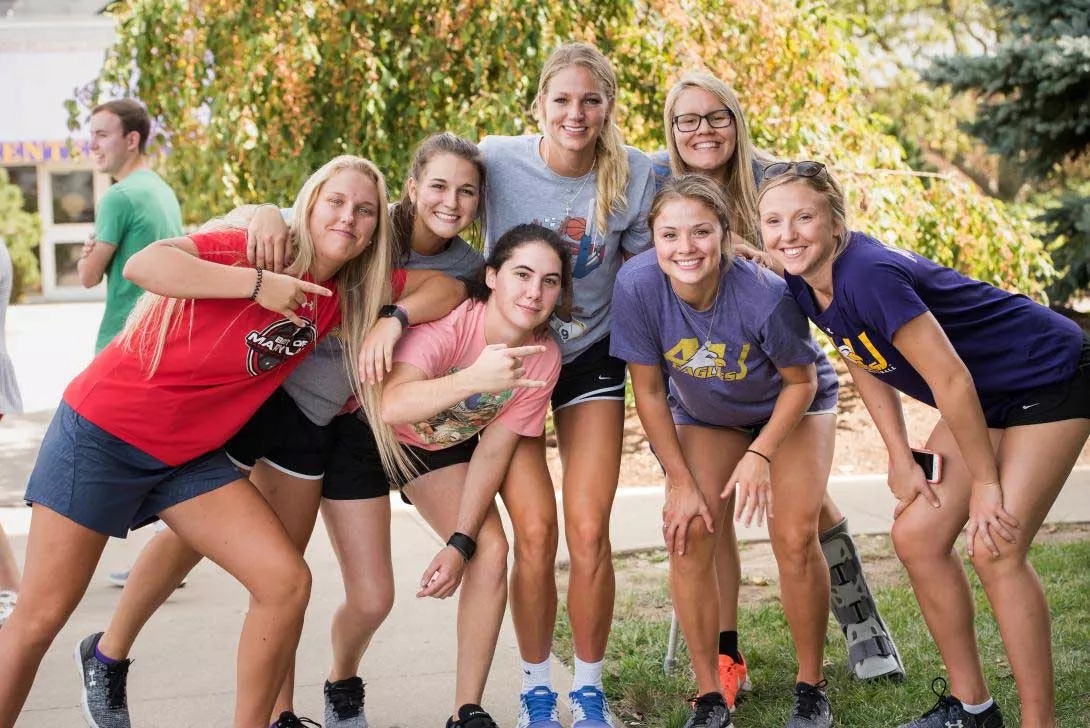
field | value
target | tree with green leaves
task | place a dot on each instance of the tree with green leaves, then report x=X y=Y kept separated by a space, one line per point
x=254 y=95
x=20 y=231
x=1034 y=106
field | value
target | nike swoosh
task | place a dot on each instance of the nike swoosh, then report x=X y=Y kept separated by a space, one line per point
x=1027 y=406
x=604 y=378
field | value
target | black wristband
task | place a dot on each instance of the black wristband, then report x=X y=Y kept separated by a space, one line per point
x=463 y=544
x=762 y=456
x=392 y=311
x=257 y=286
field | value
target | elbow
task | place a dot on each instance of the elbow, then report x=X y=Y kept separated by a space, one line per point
x=134 y=270
x=390 y=413
x=86 y=280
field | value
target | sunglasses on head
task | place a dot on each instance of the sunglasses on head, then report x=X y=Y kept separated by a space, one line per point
x=801 y=169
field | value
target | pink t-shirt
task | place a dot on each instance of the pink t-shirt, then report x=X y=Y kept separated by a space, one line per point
x=453 y=343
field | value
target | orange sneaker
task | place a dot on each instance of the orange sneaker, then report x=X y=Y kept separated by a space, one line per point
x=735 y=679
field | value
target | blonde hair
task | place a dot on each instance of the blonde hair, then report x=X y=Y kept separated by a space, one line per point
x=741 y=190
x=363 y=284
x=610 y=156
x=700 y=189
x=824 y=184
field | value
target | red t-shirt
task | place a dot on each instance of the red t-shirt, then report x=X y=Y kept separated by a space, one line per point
x=218 y=366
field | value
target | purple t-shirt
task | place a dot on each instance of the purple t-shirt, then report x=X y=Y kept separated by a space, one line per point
x=730 y=377
x=1009 y=343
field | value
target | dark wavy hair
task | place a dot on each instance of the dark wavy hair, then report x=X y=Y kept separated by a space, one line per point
x=403 y=213
x=506 y=246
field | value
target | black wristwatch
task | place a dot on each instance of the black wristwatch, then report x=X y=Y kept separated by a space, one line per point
x=392 y=311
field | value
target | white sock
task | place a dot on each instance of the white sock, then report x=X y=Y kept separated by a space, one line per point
x=977 y=709
x=535 y=674
x=587 y=673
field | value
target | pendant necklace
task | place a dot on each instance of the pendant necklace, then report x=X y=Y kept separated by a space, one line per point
x=578 y=191
x=715 y=313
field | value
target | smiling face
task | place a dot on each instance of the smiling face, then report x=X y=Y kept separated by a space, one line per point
x=797 y=226
x=688 y=244
x=343 y=219
x=573 y=109
x=706 y=150
x=112 y=150
x=445 y=197
x=526 y=287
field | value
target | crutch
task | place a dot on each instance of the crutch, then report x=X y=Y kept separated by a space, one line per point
x=671 y=645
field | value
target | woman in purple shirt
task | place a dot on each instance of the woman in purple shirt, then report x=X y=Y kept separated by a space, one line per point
x=1011 y=380
x=725 y=373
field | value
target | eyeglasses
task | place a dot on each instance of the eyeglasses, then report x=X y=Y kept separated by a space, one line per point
x=718 y=119
x=801 y=169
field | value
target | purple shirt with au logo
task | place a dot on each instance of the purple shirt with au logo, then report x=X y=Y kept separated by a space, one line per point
x=722 y=366
x=1009 y=343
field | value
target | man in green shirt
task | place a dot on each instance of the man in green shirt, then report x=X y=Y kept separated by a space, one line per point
x=138 y=210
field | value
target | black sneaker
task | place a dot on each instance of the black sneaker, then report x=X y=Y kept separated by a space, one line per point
x=105 y=704
x=812 y=708
x=344 y=704
x=709 y=711
x=948 y=712
x=289 y=719
x=471 y=716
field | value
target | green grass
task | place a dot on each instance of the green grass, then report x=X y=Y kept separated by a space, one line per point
x=643 y=696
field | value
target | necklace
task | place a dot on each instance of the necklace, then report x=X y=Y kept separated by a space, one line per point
x=578 y=190
x=715 y=313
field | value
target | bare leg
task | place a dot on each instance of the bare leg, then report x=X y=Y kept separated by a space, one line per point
x=61 y=557
x=360 y=533
x=1034 y=463
x=162 y=564
x=484 y=583
x=924 y=538
x=711 y=455
x=9 y=569
x=800 y=472
x=234 y=527
x=531 y=502
x=728 y=568
x=295 y=502
x=589 y=436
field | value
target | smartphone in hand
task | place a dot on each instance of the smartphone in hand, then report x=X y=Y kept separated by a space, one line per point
x=931 y=462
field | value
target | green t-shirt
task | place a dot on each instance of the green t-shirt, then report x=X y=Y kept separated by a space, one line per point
x=133 y=213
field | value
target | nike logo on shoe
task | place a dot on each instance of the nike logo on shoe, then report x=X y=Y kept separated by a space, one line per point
x=1026 y=407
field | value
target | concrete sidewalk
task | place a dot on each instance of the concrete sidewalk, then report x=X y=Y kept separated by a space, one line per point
x=183 y=673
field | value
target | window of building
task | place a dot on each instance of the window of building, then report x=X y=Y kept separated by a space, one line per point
x=73 y=197
x=67 y=254
x=26 y=179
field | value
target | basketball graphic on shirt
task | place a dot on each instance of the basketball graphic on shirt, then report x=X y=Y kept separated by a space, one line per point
x=278 y=342
x=573 y=228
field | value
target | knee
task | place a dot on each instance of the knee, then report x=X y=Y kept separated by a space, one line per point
x=372 y=602
x=588 y=539
x=797 y=548
x=39 y=626
x=914 y=545
x=288 y=585
x=699 y=556
x=991 y=568
x=490 y=559
x=535 y=545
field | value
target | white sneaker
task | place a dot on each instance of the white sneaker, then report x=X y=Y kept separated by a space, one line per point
x=120 y=578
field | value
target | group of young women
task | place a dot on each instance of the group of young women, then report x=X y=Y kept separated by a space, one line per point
x=298 y=369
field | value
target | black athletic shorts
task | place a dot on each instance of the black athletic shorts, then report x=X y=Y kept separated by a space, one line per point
x=354 y=468
x=1064 y=401
x=592 y=375
x=281 y=435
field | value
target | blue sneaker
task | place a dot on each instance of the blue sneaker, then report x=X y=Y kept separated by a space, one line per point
x=589 y=708
x=537 y=709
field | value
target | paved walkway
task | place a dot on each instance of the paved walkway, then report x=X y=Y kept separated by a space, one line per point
x=184 y=670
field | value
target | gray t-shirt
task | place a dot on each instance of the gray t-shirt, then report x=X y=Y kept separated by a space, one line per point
x=721 y=364
x=522 y=189
x=320 y=385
